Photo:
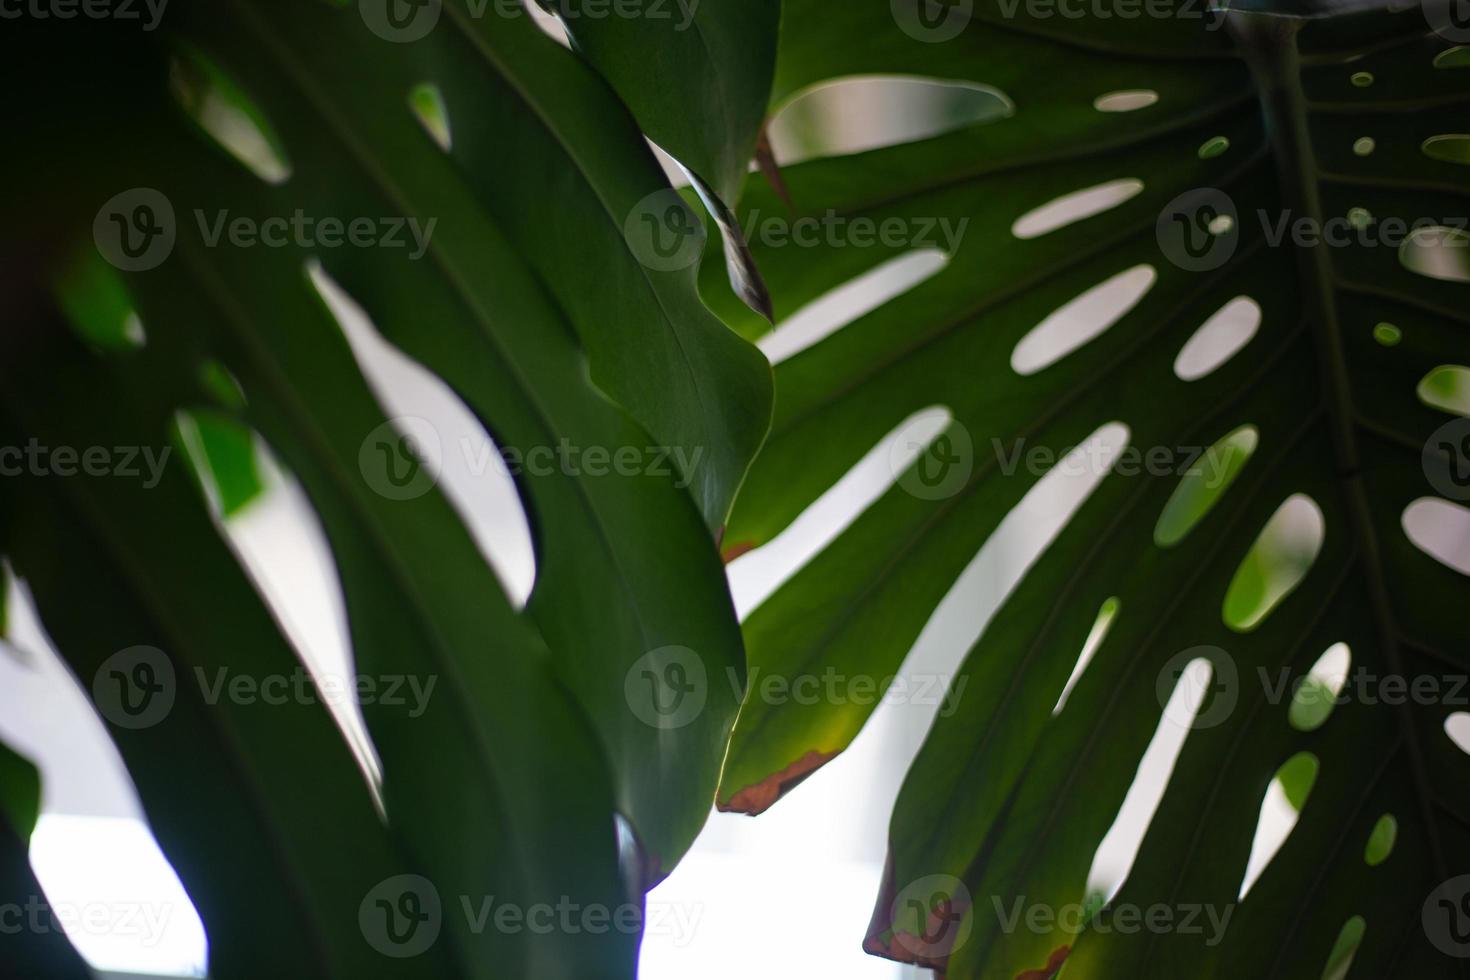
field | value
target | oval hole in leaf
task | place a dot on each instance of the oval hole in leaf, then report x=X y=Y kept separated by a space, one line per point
x=1095 y=637
x=1204 y=484
x=1438 y=253
x=1457 y=57
x=1381 y=841
x=1387 y=334
x=470 y=468
x=869 y=112
x=1125 y=101
x=758 y=573
x=427 y=103
x=1221 y=337
x=1276 y=564
x=1081 y=320
x=1280 y=811
x=1364 y=146
x=1451 y=148
x=1076 y=206
x=1447 y=388
x=1340 y=960
x=228 y=115
x=1119 y=848
x=1362 y=79
x=96 y=303
x=1441 y=530
x=1316 y=694
x=855 y=298
x=1213 y=147
x=1017 y=543
x=1457 y=727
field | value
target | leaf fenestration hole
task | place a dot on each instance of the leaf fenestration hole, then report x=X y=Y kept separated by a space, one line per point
x=1219 y=339
x=1381 y=841
x=1213 y=147
x=1203 y=484
x=856 y=298
x=231 y=118
x=1388 y=334
x=1277 y=563
x=1362 y=79
x=1316 y=694
x=1457 y=727
x=1438 y=253
x=1082 y=319
x=757 y=574
x=449 y=441
x=1340 y=960
x=870 y=112
x=1447 y=388
x=428 y=106
x=1364 y=146
x=1456 y=57
x=1450 y=147
x=1280 y=811
x=1119 y=849
x=1076 y=206
x=1095 y=637
x=1441 y=530
x=1129 y=100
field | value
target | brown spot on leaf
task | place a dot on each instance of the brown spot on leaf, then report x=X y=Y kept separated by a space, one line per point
x=759 y=798
x=1053 y=964
x=736 y=550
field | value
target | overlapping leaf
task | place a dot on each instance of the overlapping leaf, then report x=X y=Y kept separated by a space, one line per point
x=1006 y=797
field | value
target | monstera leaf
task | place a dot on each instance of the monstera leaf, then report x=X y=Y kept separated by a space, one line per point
x=490 y=173
x=1225 y=196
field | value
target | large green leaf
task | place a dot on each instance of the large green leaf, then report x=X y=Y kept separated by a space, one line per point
x=1007 y=797
x=532 y=304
